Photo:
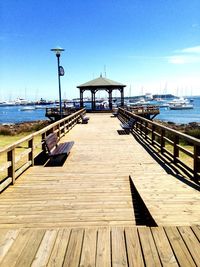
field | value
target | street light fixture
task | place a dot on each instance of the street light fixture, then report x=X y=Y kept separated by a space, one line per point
x=58 y=51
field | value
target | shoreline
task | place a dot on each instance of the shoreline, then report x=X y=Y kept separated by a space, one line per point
x=30 y=126
x=9 y=129
x=192 y=128
x=180 y=126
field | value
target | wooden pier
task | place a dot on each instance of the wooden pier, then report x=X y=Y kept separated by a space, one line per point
x=147 y=111
x=110 y=203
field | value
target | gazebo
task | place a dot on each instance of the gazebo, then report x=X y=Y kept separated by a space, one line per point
x=98 y=84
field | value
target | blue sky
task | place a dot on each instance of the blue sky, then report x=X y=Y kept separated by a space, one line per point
x=151 y=46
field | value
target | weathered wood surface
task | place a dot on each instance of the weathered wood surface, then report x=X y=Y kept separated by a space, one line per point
x=92 y=187
x=169 y=201
x=100 y=246
x=156 y=135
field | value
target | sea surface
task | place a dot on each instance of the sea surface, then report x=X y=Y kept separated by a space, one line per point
x=14 y=114
x=181 y=116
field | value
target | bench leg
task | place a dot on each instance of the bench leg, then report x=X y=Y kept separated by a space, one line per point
x=127 y=131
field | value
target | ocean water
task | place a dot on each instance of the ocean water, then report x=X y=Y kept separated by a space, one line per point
x=181 y=116
x=13 y=114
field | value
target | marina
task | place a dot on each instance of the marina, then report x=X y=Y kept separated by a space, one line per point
x=14 y=114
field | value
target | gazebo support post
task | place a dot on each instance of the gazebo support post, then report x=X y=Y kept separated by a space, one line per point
x=94 y=99
x=81 y=98
x=122 y=96
x=110 y=98
x=93 y=92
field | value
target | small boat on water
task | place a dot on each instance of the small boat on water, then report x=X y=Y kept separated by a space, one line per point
x=28 y=108
x=40 y=107
x=181 y=106
x=6 y=104
x=21 y=101
x=180 y=103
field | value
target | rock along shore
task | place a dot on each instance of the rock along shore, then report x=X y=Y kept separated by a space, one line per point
x=30 y=126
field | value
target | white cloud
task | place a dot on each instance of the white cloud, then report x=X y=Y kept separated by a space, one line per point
x=186 y=56
x=183 y=59
x=193 y=50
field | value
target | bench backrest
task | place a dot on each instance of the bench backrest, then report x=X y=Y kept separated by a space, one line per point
x=51 y=141
x=131 y=122
x=83 y=117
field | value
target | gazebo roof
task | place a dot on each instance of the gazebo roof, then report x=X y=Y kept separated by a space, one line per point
x=101 y=83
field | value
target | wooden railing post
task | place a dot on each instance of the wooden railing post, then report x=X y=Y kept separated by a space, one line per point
x=31 y=153
x=141 y=128
x=153 y=134
x=43 y=144
x=65 y=127
x=11 y=169
x=59 y=131
x=196 y=162
x=146 y=130
x=162 y=140
x=176 y=149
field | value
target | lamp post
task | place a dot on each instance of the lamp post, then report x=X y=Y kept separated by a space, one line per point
x=58 y=51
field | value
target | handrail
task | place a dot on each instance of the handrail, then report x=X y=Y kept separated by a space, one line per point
x=20 y=155
x=144 y=109
x=158 y=136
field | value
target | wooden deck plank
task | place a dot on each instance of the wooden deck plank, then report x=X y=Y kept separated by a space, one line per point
x=163 y=247
x=149 y=248
x=119 y=257
x=30 y=248
x=180 y=250
x=45 y=248
x=88 y=254
x=103 y=256
x=58 y=253
x=11 y=257
x=7 y=238
x=134 y=250
x=196 y=230
x=191 y=242
x=73 y=254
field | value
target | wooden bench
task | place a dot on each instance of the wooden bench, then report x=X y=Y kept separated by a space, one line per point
x=84 y=119
x=115 y=113
x=54 y=149
x=128 y=126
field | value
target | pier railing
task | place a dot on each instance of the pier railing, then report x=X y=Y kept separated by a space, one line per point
x=178 y=148
x=143 y=110
x=19 y=156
